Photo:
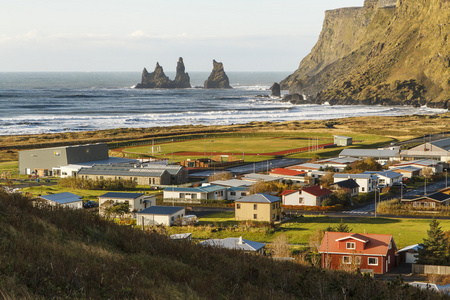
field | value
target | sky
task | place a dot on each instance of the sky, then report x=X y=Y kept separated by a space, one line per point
x=118 y=35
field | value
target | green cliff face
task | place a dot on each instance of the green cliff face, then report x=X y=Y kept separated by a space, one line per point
x=393 y=55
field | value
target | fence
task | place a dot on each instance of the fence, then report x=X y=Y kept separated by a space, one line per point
x=429 y=269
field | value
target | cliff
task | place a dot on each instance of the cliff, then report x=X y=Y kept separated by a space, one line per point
x=387 y=52
x=158 y=80
x=218 y=79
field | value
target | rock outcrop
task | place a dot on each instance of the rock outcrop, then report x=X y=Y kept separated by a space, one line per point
x=387 y=52
x=218 y=79
x=158 y=80
x=276 y=89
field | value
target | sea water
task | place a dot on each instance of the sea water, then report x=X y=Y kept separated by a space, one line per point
x=56 y=102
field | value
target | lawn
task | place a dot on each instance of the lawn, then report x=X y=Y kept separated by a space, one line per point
x=405 y=231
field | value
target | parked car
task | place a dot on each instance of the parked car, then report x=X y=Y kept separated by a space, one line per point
x=399 y=184
x=90 y=204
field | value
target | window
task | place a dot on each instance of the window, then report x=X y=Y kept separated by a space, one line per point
x=238 y=206
x=346 y=260
x=389 y=259
x=232 y=193
x=362 y=189
x=351 y=245
x=373 y=261
x=255 y=216
x=273 y=206
x=243 y=194
x=255 y=206
x=273 y=216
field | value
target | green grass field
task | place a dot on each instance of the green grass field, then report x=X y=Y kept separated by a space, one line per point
x=254 y=144
x=405 y=231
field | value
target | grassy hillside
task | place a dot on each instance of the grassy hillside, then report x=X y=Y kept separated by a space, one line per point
x=74 y=254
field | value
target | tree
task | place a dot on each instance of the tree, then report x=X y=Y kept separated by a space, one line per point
x=434 y=249
x=315 y=240
x=280 y=246
x=341 y=227
x=327 y=180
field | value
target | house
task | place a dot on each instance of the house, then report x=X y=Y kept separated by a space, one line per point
x=409 y=254
x=292 y=176
x=349 y=185
x=429 y=201
x=435 y=165
x=136 y=201
x=382 y=156
x=236 y=244
x=64 y=199
x=310 y=196
x=160 y=215
x=209 y=192
x=387 y=178
x=366 y=182
x=258 y=207
x=50 y=161
x=338 y=164
x=235 y=193
x=407 y=171
x=340 y=140
x=438 y=150
x=350 y=251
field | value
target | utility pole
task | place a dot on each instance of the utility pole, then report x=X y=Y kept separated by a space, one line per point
x=375 y=202
x=243 y=148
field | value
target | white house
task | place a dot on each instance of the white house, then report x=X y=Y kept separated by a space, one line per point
x=438 y=150
x=235 y=193
x=210 y=192
x=290 y=197
x=159 y=215
x=136 y=201
x=366 y=182
x=337 y=163
x=387 y=178
x=436 y=166
x=293 y=176
x=382 y=156
x=64 y=199
x=314 y=195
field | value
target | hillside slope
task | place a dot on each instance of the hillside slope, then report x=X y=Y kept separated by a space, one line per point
x=74 y=254
x=373 y=55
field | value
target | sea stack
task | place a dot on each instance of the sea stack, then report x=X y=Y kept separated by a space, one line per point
x=158 y=80
x=276 y=90
x=218 y=79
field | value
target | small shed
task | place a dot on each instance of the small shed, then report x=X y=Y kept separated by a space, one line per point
x=409 y=254
x=340 y=140
x=64 y=199
x=159 y=215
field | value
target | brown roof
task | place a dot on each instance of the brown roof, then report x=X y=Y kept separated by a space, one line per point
x=287 y=192
x=317 y=191
x=282 y=171
x=375 y=244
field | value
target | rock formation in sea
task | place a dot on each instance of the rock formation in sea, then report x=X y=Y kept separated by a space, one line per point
x=276 y=90
x=218 y=79
x=158 y=80
x=387 y=52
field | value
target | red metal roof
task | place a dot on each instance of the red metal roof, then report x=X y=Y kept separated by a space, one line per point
x=282 y=171
x=374 y=244
x=287 y=192
x=317 y=191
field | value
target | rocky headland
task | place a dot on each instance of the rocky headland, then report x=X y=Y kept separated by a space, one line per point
x=158 y=80
x=387 y=52
x=218 y=79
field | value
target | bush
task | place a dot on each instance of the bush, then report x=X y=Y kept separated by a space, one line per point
x=102 y=184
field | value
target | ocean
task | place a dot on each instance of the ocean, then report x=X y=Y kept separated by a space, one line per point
x=32 y=103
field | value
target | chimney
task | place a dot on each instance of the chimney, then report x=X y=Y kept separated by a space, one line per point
x=240 y=242
x=321 y=187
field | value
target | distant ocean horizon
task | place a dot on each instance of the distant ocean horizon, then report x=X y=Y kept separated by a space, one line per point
x=51 y=102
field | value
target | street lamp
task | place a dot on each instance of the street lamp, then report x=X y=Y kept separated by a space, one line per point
x=172 y=151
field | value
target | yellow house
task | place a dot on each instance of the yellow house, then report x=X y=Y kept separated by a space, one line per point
x=258 y=207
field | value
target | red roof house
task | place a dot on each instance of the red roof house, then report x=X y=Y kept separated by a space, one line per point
x=282 y=171
x=351 y=251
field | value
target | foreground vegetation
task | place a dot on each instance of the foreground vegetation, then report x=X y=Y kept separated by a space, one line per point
x=74 y=254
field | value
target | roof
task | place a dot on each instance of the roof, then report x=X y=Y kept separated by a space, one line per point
x=438 y=197
x=341 y=137
x=406 y=169
x=258 y=177
x=161 y=210
x=339 y=160
x=109 y=161
x=306 y=166
x=317 y=191
x=232 y=182
x=414 y=247
x=443 y=144
x=354 y=176
x=387 y=174
x=238 y=189
x=288 y=192
x=375 y=244
x=369 y=153
x=283 y=171
x=62 y=198
x=420 y=162
x=347 y=184
x=259 y=198
x=180 y=236
x=203 y=189
x=234 y=243
x=120 y=170
x=121 y=195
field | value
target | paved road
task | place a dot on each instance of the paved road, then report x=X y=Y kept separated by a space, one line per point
x=257 y=167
